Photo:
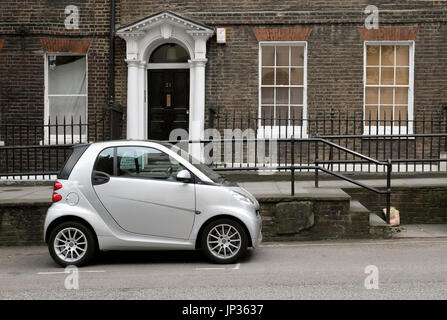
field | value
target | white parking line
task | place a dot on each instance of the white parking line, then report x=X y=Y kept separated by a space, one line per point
x=394 y=241
x=61 y=272
x=236 y=267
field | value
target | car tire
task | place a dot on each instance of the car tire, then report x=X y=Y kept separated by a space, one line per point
x=224 y=241
x=72 y=243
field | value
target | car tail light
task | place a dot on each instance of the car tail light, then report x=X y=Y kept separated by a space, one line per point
x=56 y=197
x=57 y=185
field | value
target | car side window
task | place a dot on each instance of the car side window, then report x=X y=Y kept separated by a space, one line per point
x=104 y=162
x=145 y=162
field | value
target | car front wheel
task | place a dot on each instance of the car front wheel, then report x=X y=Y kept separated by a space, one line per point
x=224 y=241
x=72 y=243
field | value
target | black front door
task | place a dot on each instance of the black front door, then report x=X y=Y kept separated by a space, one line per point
x=168 y=102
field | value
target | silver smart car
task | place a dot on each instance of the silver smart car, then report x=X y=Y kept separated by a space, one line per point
x=139 y=195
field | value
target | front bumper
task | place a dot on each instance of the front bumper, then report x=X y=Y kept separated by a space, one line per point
x=256 y=241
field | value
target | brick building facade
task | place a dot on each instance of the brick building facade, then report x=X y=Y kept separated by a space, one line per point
x=289 y=59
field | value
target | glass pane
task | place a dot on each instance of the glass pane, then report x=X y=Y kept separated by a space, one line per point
x=296 y=95
x=387 y=75
x=372 y=96
x=268 y=56
x=149 y=163
x=372 y=55
x=268 y=76
x=266 y=115
x=169 y=52
x=401 y=95
x=297 y=56
x=282 y=95
x=296 y=115
x=402 y=76
x=402 y=55
x=370 y=114
x=386 y=113
x=372 y=75
x=267 y=96
x=386 y=95
x=282 y=115
x=282 y=56
x=104 y=162
x=297 y=76
x=401 y=111
x=387 y=55
x=282 y=76
x=66 y=74
x=68 y=107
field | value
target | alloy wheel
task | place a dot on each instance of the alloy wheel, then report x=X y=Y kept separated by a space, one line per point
x=70 y=244
x=224 y=241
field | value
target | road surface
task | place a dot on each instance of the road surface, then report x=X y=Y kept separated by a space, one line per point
x=399 y=269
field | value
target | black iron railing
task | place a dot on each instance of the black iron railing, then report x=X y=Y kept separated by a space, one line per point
x=292 y=167
x=417 y=145
x=38 y=150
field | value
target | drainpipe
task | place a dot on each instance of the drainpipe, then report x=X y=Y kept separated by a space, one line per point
x=115 y=109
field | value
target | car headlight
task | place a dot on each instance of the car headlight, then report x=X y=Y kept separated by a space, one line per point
x=241 y=197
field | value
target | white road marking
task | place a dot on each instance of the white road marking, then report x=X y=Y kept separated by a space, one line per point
x=236 y=267
x=209 y=268
x=61 y=272
x=387 y=242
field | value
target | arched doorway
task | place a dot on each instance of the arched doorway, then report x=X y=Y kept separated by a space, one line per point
x=168 y=90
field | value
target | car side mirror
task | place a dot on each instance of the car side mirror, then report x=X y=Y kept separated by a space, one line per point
x=184 y=176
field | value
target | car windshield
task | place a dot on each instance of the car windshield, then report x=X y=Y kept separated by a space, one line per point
x=205 y=169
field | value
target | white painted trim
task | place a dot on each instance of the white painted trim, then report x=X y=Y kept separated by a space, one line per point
x=275 y=132
x=387 y=129
x=168 y=65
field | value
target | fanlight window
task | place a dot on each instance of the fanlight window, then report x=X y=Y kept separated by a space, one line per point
x=169 y=53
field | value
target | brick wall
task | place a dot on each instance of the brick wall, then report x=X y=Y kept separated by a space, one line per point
x=335 y=49
x=416 y=205
x=22 y=56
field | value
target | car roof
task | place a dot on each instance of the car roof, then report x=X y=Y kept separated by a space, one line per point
x=129 y=142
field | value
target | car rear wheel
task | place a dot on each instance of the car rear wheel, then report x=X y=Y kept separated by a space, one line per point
x=72 y=243
x=224 y=241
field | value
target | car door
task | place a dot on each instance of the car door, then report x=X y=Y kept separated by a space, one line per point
x=143 y=195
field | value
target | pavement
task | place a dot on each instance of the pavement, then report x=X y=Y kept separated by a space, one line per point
x=19 y=193
x=399 y=269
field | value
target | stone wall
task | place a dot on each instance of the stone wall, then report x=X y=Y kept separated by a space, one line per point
x=298 y=218
x=22 y=224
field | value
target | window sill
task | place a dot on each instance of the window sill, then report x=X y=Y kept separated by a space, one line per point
x=278 y=132
x=60 y=140
x=373 y=132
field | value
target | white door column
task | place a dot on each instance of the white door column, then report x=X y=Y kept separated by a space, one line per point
x=132 y=99
x=197 y=113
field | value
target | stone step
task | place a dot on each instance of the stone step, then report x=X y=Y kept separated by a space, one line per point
x=355 y=207
x=376 y=221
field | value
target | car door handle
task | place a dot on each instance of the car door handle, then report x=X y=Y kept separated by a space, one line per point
x=100 y=178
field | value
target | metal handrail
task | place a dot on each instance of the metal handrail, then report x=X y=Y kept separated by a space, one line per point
x=316 y=167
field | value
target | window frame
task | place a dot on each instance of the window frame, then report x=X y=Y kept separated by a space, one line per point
x=277 y=131
x=51 y=138
x=390 y=129
x=116 y=164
